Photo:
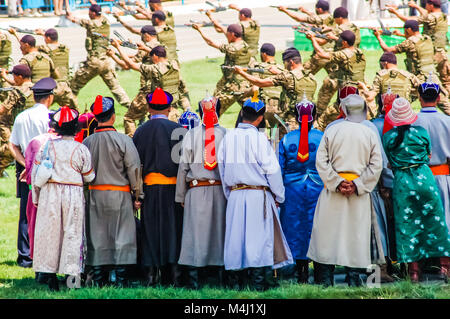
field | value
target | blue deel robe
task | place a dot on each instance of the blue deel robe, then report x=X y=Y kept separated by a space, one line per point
x=302 y=189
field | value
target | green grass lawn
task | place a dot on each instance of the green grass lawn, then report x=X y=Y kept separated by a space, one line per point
x=16 y=282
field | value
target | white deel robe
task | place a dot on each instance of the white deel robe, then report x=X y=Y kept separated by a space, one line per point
x=342 y=226
x=253 y=235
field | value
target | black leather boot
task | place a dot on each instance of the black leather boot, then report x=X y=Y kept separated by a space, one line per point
x=41 y=277
x=121 y=276
x=323 y=274
x=302 y=271
x=152 y=276
x=99 y=276
x=211 y=276
x=192 y=278
x=353 y=277
x=257 y=278
x=53 y=283
x=232 y=279
x=270 y=279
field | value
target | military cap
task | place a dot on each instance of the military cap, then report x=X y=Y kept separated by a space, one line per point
x=348 y=36
x=28 y=39
x=95 y=8
x=268 y=48
x=51 y=32
x=236 y=29
x=159 y=14
x=154 y=1
x=388 y=57
x=22 y=69
x=290 y=53
x=322 y=4
x=159 y=99
x=412 y=24
x=246 y=12
x=435 y=3
x=103 y=107
x=148 y=29
x=159 y=51
x=340 y=12
x=44 y=86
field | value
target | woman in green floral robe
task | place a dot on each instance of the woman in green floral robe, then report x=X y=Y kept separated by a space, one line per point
x=421 y=231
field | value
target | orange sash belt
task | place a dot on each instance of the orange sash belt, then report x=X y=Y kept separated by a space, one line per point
x=107 y=187
x=159 y=179
x=443 y=169
x=349 y=176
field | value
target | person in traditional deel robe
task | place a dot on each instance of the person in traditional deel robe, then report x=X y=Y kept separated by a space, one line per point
x=199 y=189
x=158 y=142
x=349 y=163
x=421 y=230
x=438 y=128
x=253 y=185
x=114 y=194
x=297 y=157
x=59 y=243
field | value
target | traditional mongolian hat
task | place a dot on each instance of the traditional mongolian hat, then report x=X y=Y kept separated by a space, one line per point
x=208 y=107
x=65 y=118
x=189 y=120
x=254 y=105
x=305 y=109
x=103 y=107
x=429 y=91
x=401 y=113
x=159 y=99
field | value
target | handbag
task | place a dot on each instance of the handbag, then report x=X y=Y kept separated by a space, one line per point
x=44 y=169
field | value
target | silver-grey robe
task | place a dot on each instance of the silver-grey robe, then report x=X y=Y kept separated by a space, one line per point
x=110 y=224
x=202 y=242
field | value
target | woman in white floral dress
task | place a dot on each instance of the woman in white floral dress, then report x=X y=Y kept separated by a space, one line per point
x=59 y=234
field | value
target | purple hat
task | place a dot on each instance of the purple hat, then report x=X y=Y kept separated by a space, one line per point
x=340 y=12
x=159 y=51
x=148 y=29
x=51 y=33
x=322 y=4
x=95 y=8
x=435 y=3
x=290 y=53
x=154 y=1
x=412 y=24
x=159 y=14
x=388 y=57
x=348 y=36
x=28 y=39
x=246 y=12
x=236 y=29
x=44 y=86
x=305 y=107
x=401 y=113
x=22 y=69
x=268 y=48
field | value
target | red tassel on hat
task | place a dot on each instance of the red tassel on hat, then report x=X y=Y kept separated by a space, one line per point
x=65 y=115
x=303 y=145
x=209 y=119
x=98 y=105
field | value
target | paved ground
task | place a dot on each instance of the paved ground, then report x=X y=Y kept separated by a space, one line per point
x=276 y=28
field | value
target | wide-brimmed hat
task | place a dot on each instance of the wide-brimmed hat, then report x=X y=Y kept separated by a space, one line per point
x=354 y=108
x=401 y=113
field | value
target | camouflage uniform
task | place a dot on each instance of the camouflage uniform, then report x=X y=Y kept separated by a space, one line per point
x=348 y=68
x=270 y=95
x=138 y=107
x=401 y=82
x=165 y=75
x=419 y=61
x=5 y=54
x=59 y=53
x=316 y=63
x=166 y=36
x=436 y=26
x=295 y=85
x=231 y=86
x=98 y=63
x=250 y=34
x=170 y=21
x=17 y=100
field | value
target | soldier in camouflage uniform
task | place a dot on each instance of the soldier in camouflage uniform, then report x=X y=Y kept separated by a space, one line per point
x=231 y=87
x=250 y=28
x=435 y=25
x=98 y=63
x=162 y=73
x=269 y=95
x=400 y=82
x=322 y=18
x=59 y=53
x=18 y=98
x=5 y=55
x=138 y=107
x=349 y=64
x=145 y=14
x=419 y=60
x=294 y=81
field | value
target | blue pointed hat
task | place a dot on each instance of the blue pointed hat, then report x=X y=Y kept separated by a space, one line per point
x=255 y=104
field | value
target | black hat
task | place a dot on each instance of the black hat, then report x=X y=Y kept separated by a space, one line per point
x=236 y=29
x=412 y=24
x=159 y=14
x=51 y=33
x=290 y=53
x=322 y=4
x=44 y=86
x=148 y=29
x=388 y=57
x=340 y=12
x=159 y=51
x=95 y=8
x=348 y=36
x=435 y=3
x=154 y=1
x=268 y=48
x=246 y=12
x=29 y=39
x=22 y=69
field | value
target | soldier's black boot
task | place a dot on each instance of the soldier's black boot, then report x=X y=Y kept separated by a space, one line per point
x=302 y=271
x=353 y=277
x=99 y=276
x=192 y=278
x=53 y=283
x=121 y=276
x=323 y=274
